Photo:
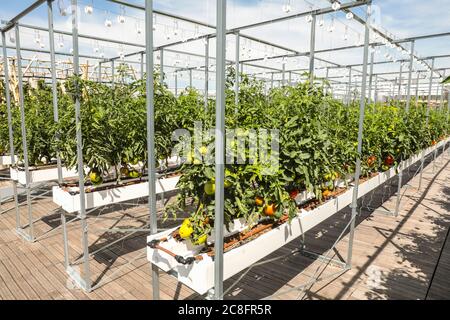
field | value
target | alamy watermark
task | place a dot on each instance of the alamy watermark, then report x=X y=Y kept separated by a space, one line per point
x=259 y=147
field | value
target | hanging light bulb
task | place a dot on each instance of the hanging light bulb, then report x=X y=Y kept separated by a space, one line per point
x=62 y=9
x=121 y=16
x=96 y=48
x=287 y=7
x=166 y=33
x=321 y=22
x=37 y=39
x=61 y=41
x=331 y=27
x=108 y=23
x=102 y=55
x=154 y=22
x=42 y=45
x=12 y=38
x=346 y=33
x=336 y=6
x=71 y=50
x=309 y=18
x=176 y=29
x=88 y=9
x=349 y=16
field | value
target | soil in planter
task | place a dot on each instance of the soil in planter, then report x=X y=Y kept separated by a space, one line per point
x=51 y=165
x=110 y=184
x=239 y=239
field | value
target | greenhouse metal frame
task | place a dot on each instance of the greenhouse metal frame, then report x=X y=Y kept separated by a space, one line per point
x=369 y=84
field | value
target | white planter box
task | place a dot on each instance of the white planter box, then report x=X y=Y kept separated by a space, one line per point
x=41 y=174
x=6 y=160
x=71 y=203
x=199 y=276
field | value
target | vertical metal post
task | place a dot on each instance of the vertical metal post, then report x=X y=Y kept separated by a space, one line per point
x=441 y=104
x=142 y=65
x=362 y=104
x=283 y=75
x=237 y=80
x=372 y=56
x=100 y=72
x=417 y=89
x=54 y=82
x=349 y=92
x=151 y=135
x=271 y=81
x=290 y=79
x=176 y=84
x=161 y=69
x=190 y=78
x=24 y=134
x=79 y=138
x=400 y=84
x=411 y=61
x=326 y=78
x=206 y=71
x=427 y=121
x=10 y=124
x=375 y=98
x=312 y=48
x=220 y=147
x=112 y=72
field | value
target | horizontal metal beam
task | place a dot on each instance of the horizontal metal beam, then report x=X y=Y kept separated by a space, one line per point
x=423 y=37
x=10 y=24
x=316 y=12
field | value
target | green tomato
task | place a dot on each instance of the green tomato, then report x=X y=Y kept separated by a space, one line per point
x=134 y=174
x=210 y=188
x=201 y=240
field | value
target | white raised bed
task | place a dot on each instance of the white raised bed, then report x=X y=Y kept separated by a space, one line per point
x=40 y=174
x=199 y=276
x=6 y=160
x=71 y=203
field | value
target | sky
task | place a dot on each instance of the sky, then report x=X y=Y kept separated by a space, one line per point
x=401 y=18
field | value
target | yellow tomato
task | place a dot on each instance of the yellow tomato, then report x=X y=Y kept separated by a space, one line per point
x=203 y=151
x=201 y=240
x=186 y=231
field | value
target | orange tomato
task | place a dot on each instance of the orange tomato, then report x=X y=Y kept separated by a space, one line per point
x=269 y=210
x=371 y=161
x=326 y=194
x=259 y=201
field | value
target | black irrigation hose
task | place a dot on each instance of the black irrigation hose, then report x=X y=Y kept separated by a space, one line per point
x=437 y=264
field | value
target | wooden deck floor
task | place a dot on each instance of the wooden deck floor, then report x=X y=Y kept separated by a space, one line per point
x=404 y=257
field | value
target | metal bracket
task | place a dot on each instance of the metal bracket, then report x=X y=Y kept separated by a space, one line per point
x=317 y=256
x=76 y=277
x=21 y=232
